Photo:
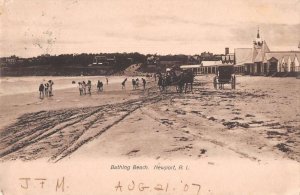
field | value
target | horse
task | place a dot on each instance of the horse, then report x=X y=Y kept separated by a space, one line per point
x=188 y=80
x=161 y=82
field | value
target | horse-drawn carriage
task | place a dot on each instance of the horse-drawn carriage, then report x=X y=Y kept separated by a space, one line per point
x=182 y=80
x=224 y=75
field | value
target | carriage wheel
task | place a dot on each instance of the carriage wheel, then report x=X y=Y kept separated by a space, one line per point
x=178 y=89
x=232 y=82
x=161 y=89
x=221 y=85
x=215 y=83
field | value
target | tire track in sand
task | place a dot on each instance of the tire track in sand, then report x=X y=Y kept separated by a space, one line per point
x=57 y=134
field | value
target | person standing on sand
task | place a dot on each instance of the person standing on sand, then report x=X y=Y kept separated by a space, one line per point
x=89 y=86
x=137 y=82
x=106 y=81
x=41 y=90
x=50 y=87
x=133 y=84
x=80 y=88
x=99 y=86
x=123 y=83
x=144 y=83
x=83 y=88
x=46 y=87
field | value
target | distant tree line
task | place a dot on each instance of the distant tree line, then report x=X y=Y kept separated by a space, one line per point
x=84 y=59
x=76 y=64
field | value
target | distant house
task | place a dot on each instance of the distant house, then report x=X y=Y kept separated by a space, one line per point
x=152 y=63
x=207 y=56
x=195 y=59
x=130 y=60
x=152 y=60
x=11 y=60
x=104 y=61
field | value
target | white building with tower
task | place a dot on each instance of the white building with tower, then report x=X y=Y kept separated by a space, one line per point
x=260 y=60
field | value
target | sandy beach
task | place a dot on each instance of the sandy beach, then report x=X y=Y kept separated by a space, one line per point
x=257 y=125
x=261 y=114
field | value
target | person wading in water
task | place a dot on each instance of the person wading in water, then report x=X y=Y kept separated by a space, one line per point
x=144 y=83
x=41 y=90
x=123 y=83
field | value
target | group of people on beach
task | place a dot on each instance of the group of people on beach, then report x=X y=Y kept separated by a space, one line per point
x=85 y=88
x=135 y=83
x=45 y=89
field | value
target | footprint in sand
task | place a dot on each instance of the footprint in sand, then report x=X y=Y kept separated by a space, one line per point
x=233 y=124
x=203 y=151
x=182 y=138
x=237 y=118
x=212 y=118
x=180 y=112
x=166 y=122
x=256 y=122
x=290 y=141
x=283 y=147
x=132 y=152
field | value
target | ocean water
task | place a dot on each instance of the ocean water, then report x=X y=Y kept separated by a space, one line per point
x=20 y=85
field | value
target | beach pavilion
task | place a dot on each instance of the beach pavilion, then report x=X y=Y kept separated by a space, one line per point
x=260 y=60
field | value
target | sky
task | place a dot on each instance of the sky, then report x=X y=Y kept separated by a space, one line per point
x=33 y=27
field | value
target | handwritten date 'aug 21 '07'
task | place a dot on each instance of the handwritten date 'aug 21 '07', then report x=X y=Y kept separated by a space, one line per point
x=140 y=187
